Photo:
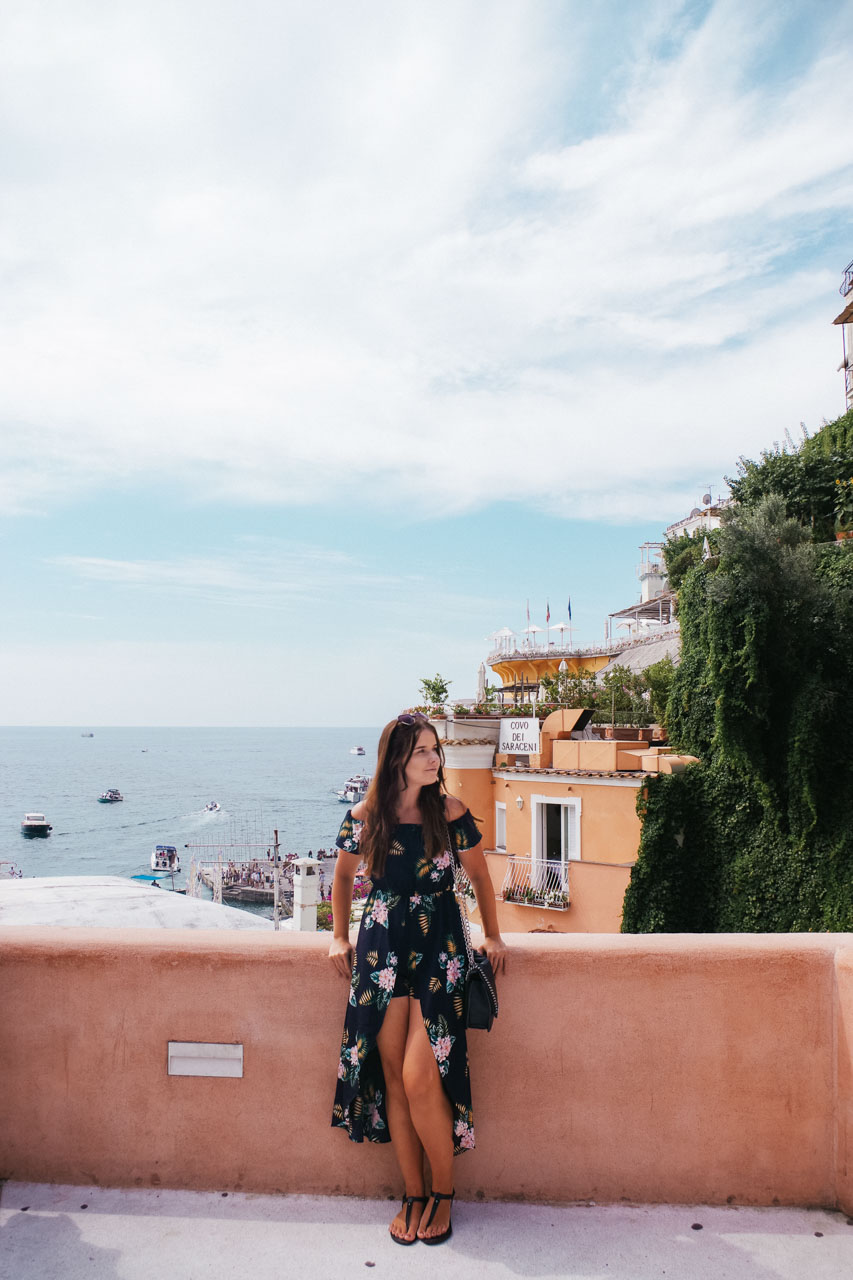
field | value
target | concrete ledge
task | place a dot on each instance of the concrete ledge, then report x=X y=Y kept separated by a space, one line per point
x=661 y=1069
x=96 y=1233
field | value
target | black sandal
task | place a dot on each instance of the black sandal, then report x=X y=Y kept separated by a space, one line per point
x=408 y=1201
x=445 y=1235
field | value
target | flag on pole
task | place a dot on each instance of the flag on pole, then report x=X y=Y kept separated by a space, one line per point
x=570 y=608
x=548 y=611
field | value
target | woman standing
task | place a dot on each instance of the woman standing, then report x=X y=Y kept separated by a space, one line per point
x=403 y=1070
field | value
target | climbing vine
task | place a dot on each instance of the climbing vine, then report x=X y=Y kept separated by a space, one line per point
x=759 y=835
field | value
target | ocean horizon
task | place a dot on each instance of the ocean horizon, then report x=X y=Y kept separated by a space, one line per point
x=264 y=779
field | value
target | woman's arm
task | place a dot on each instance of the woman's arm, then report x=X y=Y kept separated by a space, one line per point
x=340 y=948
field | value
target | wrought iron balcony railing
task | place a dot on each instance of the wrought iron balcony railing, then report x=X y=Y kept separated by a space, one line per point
x=540 y=883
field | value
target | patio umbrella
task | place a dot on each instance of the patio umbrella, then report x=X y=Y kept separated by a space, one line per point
x=501 y=637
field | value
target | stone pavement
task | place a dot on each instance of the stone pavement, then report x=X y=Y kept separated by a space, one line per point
x=65 y=1233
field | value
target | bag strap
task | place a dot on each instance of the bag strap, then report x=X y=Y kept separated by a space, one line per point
x=461 y=884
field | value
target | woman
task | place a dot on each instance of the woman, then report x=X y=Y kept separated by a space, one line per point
x=403 y=1070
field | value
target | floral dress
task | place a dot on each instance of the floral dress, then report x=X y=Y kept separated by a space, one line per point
x=410 y=943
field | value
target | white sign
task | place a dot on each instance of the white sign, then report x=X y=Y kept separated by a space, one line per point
x=519 y=736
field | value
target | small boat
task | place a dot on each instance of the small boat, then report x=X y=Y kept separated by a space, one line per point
x=354 y=789
x=165 y=858
x=212 y=806
x=35 y=824
x=112 y=795
x=87 y=735
x=356 y=751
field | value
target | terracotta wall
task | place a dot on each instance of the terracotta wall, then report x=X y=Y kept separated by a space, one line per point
x=668 y=1069
x=610 y=834
x=610 y=828
x=844 y=1172
x=476 y=789
x=596 y=892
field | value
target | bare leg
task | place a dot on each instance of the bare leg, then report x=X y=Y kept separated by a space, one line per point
x=391 y=1043
x=431 y=1115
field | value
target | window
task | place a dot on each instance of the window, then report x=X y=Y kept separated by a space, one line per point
x=558 y=837
x=500 y=826
x=556 y=829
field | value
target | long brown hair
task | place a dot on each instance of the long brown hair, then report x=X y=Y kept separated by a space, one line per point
x=396 y=746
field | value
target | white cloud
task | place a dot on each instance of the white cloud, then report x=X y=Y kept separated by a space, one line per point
x=277 y=252
x=272 y=576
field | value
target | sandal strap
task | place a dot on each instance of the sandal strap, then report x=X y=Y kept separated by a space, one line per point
x=436 y=1196
x=408 y=1201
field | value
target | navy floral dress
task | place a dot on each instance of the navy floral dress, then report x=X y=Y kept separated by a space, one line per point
x=410 y=943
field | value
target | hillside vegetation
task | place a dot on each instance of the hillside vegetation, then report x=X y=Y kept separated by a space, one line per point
x=759 y=835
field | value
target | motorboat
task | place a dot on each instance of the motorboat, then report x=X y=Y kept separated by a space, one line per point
x=165 y=857
x=354 y=789
x=87 y=735
x=35 y=824
x=213 y=806
x=356 y=751
x=112 y=795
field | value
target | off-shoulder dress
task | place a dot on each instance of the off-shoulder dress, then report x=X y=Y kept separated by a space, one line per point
x=410 y=942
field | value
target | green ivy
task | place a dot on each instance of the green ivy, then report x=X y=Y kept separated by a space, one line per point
x=759 y=835
x=803 y=477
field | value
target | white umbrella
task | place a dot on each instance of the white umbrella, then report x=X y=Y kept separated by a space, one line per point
x=531 y=627
x=481 y=682
x=502 y=637
x=563 y=627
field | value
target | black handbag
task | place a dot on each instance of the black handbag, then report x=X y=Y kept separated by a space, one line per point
x=481 y=992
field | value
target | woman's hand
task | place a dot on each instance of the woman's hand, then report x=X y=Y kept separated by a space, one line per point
x=496 y=951
x=340 y=954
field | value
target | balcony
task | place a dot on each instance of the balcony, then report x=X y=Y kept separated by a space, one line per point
x=542 y=884
x=553 y=649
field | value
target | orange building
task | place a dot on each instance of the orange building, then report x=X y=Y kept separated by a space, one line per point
x=560 y=826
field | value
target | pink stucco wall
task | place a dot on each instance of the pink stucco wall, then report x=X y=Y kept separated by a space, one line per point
x=654 y=1068
x=844 y=1170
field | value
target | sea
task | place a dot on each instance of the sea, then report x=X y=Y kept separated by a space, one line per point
x=263 y=779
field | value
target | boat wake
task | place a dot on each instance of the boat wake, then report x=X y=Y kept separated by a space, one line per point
x=121 y=826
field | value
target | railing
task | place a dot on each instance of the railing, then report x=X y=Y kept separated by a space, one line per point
x=846 y=280
x=553 y=650
x=613 y=647
x=543 y=884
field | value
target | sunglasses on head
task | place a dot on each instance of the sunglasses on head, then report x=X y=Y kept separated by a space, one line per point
x=410 y=717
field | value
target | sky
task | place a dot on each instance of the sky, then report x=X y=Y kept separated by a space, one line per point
x=333 y=333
